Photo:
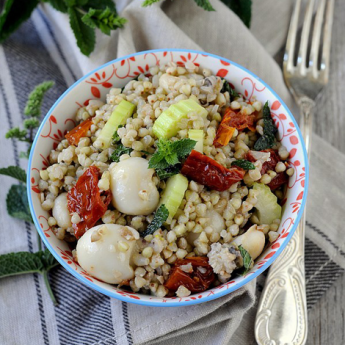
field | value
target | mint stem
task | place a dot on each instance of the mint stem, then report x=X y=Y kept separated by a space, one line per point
x=39 y=242
x=45 y=275
x=49 y=289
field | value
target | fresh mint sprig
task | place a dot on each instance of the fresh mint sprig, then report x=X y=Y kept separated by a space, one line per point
x=33 y=112
x=169 y=155
x=17 y=201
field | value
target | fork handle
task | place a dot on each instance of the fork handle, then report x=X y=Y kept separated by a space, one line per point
x=282 y=312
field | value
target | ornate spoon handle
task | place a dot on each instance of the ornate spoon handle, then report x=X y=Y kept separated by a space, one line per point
x=282 y=314
x=281 y=318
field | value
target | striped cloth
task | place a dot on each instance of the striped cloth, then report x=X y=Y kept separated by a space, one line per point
x=44 y=49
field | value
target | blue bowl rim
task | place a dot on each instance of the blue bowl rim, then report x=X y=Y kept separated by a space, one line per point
x=249 y=277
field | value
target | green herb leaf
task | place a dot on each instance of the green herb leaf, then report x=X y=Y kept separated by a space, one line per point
x=17 y=133
x=84 y=34
x=105 y=20
x=31 y=123
x=34 y=103
x=116 y=137
x=20 y=263
x=149 y=2
x=24 y=262
x=168 y=172
x=183 y=147
x=227 y=88
x=14 y=14
x=15 y=172
x=25 y=154
x=243 y=8
x=48 y=260
x=205 y=4
x=158 y=220
x=59 y=5
x=17 y=203
x=119 y=151
x=170 y=153
x=244 y=164
x=247 y=260
x=267 y=140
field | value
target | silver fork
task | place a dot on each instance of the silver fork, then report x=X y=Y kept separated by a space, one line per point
x=282 y=312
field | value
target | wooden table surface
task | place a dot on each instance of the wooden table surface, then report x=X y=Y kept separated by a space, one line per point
x=327 y=317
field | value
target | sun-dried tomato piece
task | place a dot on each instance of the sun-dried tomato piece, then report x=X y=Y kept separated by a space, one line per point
x=278 y=181
x=238 y=120
x=224 y=135
x=74 y=135
x=210 y=173
x=86 y=200
x=198 y=280
x=269 y=165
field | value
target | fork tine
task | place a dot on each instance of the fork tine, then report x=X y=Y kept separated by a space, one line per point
x=291 y=38
x=327 y=35
x=315 y=45
x=302 y=54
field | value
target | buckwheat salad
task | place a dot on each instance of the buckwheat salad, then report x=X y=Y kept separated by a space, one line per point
x=171 y=186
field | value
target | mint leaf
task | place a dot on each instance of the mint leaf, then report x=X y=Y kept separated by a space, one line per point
x=205 y=4
x=159 y=218
x=266 y=141
x=105 y=20
x=15 y=172
x=14 y=14
x=116 y=137
x=149 y=2
x=31 y=123
x=85 y=35
x=17 y=203
x=168 y=172
x=17 y=133
x=243 y=8
x=59 y=5
x=24 y=262
x=247 y=260
x=34 y=102
x=227 y=88
x=244 y=164
x=48 y=260
x=20 y=263
x=119 y=151
x=183 y=147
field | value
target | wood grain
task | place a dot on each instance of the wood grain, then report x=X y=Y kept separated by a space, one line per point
x=327 y=318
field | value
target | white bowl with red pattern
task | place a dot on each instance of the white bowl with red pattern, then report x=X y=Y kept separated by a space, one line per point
x=117 y=73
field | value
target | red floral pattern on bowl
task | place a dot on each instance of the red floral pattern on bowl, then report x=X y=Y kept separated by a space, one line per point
x=116 y=74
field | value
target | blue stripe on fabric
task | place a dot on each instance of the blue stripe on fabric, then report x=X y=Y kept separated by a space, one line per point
x=10 y=123
x=50 y=30
x=83 y=315
x=126 y=322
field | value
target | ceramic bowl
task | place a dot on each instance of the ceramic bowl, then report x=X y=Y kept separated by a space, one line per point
x=117 y=73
